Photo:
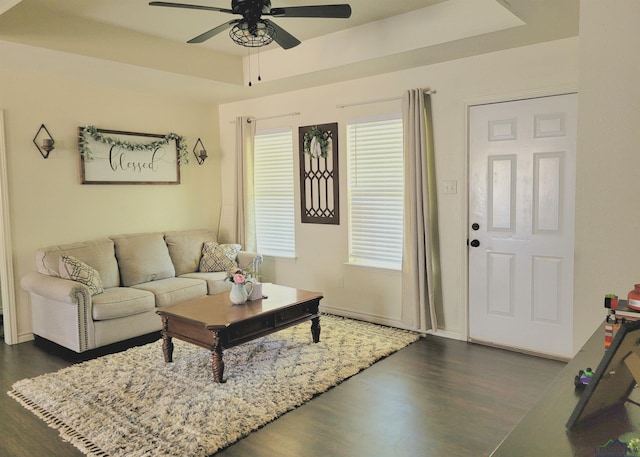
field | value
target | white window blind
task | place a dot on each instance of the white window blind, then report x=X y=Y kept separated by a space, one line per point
x=376 y=192
x=273 y=193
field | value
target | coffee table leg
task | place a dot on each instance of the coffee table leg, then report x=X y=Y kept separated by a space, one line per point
x=315 y=329
x=167 y=344
x=217 y=364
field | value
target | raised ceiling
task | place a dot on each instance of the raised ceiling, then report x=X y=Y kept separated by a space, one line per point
x=91 y=38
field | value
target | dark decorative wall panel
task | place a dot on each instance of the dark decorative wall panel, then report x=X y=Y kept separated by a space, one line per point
x=319 y=180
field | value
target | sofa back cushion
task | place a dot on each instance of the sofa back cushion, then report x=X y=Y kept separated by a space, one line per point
x=99 y=254
x=142 y=257
x=185 y=248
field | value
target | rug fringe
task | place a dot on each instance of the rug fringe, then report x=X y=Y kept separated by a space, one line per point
x=66 y=432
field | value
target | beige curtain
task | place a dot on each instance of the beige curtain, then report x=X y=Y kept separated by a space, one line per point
x=420 y=258
x=245 y=208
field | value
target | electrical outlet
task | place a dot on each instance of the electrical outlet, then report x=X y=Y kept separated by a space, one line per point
x=451 y=187
x=340 y=281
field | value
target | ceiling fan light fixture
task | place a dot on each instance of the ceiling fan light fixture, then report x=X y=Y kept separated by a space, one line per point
x=252 y=31
x=252 y=36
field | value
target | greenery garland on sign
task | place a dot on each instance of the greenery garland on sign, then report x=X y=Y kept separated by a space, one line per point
x=322 y=138
x=91 y=132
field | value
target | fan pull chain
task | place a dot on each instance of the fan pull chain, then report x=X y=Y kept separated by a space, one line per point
x=250 y=74
x=259 y=77
x=249 y=53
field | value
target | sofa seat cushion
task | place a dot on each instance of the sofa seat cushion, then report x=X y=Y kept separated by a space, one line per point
x=142 y=257
x=174 y=290
x=185 y=248
x=216 y=283
x=118 y=302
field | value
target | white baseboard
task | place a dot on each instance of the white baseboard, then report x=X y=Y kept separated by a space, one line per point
x=384 y=320
x=375 y=319
x=24 y=337
x=446 y=334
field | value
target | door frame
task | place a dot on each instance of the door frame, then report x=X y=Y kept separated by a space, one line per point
x=467 y=104
x=6 y=251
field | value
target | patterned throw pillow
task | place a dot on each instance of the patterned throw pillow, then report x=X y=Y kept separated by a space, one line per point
x=218 y=257
x=77 y=270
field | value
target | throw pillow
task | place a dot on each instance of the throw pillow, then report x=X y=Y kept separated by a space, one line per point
x=77 y=270
x=218 y=257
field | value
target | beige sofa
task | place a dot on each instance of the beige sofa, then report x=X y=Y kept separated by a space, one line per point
x=93 y=293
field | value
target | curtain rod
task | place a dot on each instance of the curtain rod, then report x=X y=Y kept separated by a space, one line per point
x=253 y=119
x=380 y=100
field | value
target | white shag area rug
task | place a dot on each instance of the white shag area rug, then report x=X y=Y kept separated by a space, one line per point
x=133 y=404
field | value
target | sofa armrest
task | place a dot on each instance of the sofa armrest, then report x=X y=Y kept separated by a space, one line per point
x=54 y=288
x=250 y=260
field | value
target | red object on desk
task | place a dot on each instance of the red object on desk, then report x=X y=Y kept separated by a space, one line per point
x=633 y=298
x=608 y=335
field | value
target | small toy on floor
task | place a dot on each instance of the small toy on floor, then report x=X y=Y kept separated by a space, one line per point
x=583 y=378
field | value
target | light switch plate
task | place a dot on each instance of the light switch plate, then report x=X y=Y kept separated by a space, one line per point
x=451 y=187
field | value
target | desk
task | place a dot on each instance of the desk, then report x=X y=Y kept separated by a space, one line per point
x=542 y=432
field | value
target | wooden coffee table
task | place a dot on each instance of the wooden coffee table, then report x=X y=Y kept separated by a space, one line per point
x=214 y=323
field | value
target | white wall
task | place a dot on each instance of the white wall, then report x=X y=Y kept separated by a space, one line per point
x=48 y=203
x=322 y=249
x=607 y=250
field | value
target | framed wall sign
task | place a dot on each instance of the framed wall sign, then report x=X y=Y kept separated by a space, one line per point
x=116 y=157
x=319 y=182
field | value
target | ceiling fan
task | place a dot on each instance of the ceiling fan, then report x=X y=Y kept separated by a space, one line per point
x=253 y=30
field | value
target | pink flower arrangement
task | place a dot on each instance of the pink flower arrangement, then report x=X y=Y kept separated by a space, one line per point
x=238 y=276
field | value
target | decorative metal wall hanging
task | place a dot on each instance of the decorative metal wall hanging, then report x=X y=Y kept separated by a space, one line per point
x=319 y=180
x=200 y=152
x=44 y=141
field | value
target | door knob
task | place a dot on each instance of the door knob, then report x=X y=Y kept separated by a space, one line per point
x=475 y=243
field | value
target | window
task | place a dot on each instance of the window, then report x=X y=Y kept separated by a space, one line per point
x=376 y=192
x=273 y=192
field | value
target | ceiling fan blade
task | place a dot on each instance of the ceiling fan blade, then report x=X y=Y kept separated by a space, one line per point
x=329 y=11
x=193 y=7
x=213 y=32
x=283 y=38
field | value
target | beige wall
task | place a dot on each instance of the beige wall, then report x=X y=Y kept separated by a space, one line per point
x=322 y=249
x=607 y=248
x=48 y=203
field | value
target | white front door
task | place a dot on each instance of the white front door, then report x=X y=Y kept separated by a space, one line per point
x=522 y=158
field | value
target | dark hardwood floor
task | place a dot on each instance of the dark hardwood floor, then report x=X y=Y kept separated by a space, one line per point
x=437 y=397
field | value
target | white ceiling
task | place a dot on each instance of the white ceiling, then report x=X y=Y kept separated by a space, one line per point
x=183 y=24
x=91 y=36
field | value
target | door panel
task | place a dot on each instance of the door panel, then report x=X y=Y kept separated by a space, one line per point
x=500 y=294
x=521 y=195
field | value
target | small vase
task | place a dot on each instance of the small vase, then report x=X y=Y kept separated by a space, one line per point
x=238 y=294
x=256 y=293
